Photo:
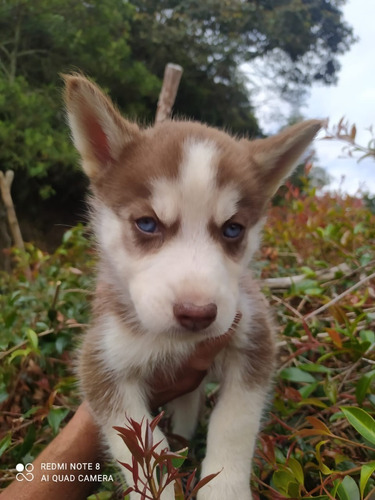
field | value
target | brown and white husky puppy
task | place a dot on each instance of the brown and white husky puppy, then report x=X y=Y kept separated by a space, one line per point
x=177 y=210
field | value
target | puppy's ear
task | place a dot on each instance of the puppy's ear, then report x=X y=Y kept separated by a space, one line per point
x=275 y=157
x=99 y=131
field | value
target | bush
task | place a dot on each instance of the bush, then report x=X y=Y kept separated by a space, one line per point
x=40 y=324
x=318 y=438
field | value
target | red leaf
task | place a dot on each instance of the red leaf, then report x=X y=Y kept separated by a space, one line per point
x=318 y=424
x=190 y=480
x=335 y=336
x=202 y=483
x=136 y=426
x=135 y=471
x=129 y=490
x=131 y=442
x=127 y=466
x=156 y=420
x=149 y=438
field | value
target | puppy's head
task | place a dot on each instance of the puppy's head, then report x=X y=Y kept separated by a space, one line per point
x=178 y=208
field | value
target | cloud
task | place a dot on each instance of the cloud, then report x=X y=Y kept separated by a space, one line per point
x=354 y=98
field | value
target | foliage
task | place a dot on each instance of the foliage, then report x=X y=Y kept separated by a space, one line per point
x=38 y=41
x=40 y=323
x=219 y=35
x=347 y=133
x=300 y=41
x=318 y=441
x=125 y=46
x=152 y=469
x=318 y=437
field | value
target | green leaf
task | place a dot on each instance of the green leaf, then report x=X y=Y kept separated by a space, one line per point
x=363 y=385
x=30 y=412
x=312 y=401
x=361 y=421
x=297 y=470
x=315 y=368
x=19 y=352
x=55 y=417
x=28 y=440
x=33 y=338
x=282 y=479
x=366 y=472
x=367 y=336
x=308 y=272
x=177 y=462
x=5 y=442
x=306 y=390
x=307 y=287
x=296 y=375
x=322 y=466
x=348 y=489
x=330 y=388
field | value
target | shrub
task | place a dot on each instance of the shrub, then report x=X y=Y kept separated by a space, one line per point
x=318 y=438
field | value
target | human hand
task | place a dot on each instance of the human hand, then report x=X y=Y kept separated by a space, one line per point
x=193 y=370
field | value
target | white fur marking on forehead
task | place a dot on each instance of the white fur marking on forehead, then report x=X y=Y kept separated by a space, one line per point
x=189 y=194
x=195 y=194
x=198 y=169
x=226 y=203
x=165 y=200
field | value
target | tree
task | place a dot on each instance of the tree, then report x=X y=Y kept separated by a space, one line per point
x=124 y=46
x=39 y=39
x=301 y=39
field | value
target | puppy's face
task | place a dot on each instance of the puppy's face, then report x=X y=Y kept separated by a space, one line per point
x=178 y=250
x=178 y=209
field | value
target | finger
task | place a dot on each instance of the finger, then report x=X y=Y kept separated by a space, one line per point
x=207 y=350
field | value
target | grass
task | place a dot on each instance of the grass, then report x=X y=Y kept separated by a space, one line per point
x=318 y=436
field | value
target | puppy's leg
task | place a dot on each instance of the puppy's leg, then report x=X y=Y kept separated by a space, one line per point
x=236 y=419
x=185 y=412
x=231 y=438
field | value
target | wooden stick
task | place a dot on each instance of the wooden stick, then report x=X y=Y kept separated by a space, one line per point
x=5 y=239
x=5 y=185
x=171 y=81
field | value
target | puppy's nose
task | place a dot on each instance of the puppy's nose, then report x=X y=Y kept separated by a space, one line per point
x=195 y=317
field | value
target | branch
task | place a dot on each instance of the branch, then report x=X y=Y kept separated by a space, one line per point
x=339 y=297
x=6 y=52
x=288 y=281
x=345 y=133
x=31 y=51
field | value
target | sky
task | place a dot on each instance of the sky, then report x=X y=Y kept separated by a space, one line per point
x=353 y=98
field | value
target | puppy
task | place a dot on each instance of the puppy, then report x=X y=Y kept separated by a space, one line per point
x=177 y=211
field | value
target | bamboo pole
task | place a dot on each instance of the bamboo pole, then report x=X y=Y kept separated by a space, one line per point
x=171 y=81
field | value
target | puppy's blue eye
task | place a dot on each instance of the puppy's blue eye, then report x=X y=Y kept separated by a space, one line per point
x=147 y=224
x=232 y=230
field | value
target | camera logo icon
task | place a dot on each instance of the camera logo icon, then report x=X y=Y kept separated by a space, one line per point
x=24 y=472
